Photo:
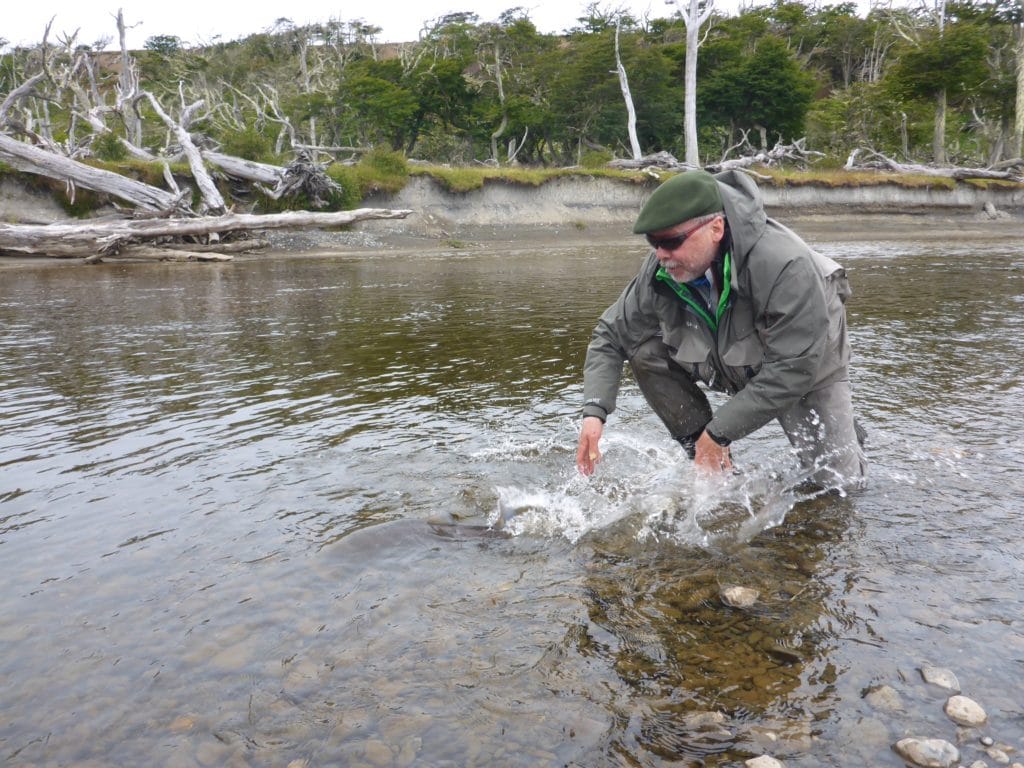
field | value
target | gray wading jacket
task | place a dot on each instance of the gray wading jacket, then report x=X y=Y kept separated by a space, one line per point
x=782 y=334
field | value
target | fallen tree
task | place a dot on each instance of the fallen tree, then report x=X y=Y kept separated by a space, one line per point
x=31 y=159
x=142 y=238
x=1010 y=170
x=796 y=153
x=156 y=222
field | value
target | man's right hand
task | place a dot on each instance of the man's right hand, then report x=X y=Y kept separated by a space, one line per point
x=588 y=454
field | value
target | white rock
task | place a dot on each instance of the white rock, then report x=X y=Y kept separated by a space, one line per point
x=739 y=597
x=928 y=753
x=978 y=764
x=764 y=761
x=964 y=711
x=941 y=677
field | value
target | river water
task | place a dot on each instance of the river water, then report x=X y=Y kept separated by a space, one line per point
x=323 y=511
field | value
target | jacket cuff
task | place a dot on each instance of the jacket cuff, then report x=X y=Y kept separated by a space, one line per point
x=722 y=441
x=591 y=409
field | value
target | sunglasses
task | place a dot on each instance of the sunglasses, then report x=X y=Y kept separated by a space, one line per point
x=676 y=241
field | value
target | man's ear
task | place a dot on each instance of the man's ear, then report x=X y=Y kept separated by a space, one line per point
x=718 y=229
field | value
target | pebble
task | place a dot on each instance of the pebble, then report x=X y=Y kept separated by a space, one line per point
x=185 y=723
x=941 y=677
x=964 y=711
x=739 y=597
x=764 y=761
x=928 y=753
x=987 y=741
x=998 y=756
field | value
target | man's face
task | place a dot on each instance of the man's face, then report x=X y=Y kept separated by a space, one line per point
x=690 y=259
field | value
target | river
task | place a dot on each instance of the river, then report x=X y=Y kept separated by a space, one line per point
x=323 y=511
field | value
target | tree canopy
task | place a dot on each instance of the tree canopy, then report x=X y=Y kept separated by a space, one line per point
x=471 y=90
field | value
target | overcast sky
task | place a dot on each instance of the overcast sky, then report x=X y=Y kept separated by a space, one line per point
x=194 y=21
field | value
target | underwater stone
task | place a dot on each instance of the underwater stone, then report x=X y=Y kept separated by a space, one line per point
x=928 y=753
x=1000 y=757
x=764 y=761
x=941 y=677
x=884 y=697
x=739 y=597
x=964 y=711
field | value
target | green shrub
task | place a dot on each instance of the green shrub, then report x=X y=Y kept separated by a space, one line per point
x=247 y=143
x=385 y=162
x=107 y=146
x=596 y=158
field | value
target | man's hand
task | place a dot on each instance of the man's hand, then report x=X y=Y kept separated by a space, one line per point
x=710 y=456
x=588 y=454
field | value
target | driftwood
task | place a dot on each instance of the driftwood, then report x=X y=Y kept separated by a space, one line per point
x=153 y=253
x=1007 y=170
x=109 y=237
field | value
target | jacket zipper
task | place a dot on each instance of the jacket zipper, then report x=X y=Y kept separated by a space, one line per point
x=684 y=292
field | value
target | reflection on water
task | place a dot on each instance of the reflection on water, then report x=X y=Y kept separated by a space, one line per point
x=324 y=510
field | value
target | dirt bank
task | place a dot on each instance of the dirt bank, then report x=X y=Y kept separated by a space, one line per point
x=578 y=204
x=583 y=209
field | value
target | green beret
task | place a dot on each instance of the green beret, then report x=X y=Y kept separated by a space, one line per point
x=683 y=197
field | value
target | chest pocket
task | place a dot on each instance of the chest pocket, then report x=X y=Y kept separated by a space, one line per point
x=741 y=345
x=690 y=339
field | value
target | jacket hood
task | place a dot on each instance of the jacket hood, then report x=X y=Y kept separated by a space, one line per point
x=744 y=211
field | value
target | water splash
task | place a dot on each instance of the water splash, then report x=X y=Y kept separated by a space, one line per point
x=650 y=490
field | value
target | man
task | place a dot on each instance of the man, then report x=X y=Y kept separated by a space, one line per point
x=734 y=300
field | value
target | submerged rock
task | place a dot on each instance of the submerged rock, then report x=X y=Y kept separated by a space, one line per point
x=998 y=755
x=964 y=711
x=884 y=697
x=739 y=597
x=928 y=753
x=764 y=761
x=941 y=677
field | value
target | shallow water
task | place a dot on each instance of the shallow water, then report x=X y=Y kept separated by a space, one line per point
x=324 y=510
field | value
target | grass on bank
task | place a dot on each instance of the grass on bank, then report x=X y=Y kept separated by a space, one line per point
x=383 y=172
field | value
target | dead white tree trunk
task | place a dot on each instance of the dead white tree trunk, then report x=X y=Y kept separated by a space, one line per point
x=693 y=18
x=127 y=91
x=213 y=202
x=634 y=142
x=246 y=170
x=1017 y=147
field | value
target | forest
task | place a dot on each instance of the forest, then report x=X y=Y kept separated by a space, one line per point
x=929 y=83
x=291 y=111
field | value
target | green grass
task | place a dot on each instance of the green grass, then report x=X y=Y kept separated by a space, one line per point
x=840 y=178
x=466 y=179
x=385 y=172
